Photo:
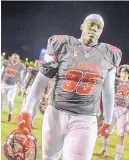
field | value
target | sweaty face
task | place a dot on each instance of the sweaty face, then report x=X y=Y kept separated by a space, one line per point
x=15 y=59
x=91 y=31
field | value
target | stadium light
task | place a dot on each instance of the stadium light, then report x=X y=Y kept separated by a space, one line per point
x=26 y=59
x=3 y=53
x=43 y=50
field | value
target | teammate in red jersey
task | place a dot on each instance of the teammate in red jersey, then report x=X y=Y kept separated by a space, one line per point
x=120 y=114
x=83 y=68
x=12 y=72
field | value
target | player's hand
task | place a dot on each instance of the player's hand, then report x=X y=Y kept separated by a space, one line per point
x=103 y=130
x=19 y=93
x=24 y=122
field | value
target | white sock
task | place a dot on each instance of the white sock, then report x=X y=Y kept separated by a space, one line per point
x=105 y=143
x=10 y=105
x=119 y=151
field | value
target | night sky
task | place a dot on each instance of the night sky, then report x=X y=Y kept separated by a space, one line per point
x=26 y=26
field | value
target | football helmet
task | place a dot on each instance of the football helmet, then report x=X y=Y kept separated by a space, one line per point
x=20 y=146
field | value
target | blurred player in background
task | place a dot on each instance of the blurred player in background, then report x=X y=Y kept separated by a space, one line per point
x=12 y=72
x=30 y=76
x=120 y=115
x=83 y=69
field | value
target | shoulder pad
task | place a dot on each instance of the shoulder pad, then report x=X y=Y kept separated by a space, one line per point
x=113 y=49
x=58 y=37
x=116 y=54
x=55 y=45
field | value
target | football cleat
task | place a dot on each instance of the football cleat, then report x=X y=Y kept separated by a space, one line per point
x=9 y=117
x=127 y=128
x=101 y=154
x=20 y=146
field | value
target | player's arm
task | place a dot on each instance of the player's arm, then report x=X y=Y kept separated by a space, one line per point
x=47 y=70
x=101 y=106
x=2 y=72
x=30 y=77
x=21 y=80
x=38 y=86
x=23 y=69
x=108 y=99
x=108 y=90
x=3 y=68
x=108 y=96
x=26 y=79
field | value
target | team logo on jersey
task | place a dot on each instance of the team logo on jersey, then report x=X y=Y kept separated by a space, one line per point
x=114 y=49
x=11 y=71
x=73 y=53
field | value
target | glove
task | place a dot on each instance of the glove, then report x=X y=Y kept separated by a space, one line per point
x=24 y=122
x=103 y=130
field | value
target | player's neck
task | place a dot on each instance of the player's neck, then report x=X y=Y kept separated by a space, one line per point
x=13 y=63
x=88 y=43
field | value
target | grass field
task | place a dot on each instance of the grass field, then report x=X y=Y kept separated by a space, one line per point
x=6 y=128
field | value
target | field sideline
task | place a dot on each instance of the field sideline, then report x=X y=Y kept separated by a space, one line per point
x=6 y=128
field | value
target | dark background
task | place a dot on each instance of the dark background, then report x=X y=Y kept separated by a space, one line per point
x=26 y=26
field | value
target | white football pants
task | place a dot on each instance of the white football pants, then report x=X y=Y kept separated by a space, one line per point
x=71 y=135
x=9 y=92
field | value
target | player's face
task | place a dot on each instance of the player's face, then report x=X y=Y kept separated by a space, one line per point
x=15 y=59
x=91 y=31
x=124 y=75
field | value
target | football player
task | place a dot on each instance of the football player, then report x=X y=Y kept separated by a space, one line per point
x=83 y=68
x=30 y=76
x=12 y=72
x=120 y=115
